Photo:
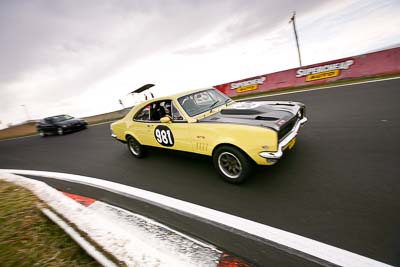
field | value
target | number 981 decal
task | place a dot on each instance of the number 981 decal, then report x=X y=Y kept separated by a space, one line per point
x=164 y=135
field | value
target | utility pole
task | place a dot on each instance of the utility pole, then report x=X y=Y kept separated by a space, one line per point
x=26 y=112
x=293 y=21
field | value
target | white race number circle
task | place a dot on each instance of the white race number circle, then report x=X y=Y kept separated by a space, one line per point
x=164 y=136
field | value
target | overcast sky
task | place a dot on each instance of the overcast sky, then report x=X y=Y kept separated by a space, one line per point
x=80 y=57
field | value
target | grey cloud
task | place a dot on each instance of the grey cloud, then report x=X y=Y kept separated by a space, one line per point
x=255 y=18
x=42 y=33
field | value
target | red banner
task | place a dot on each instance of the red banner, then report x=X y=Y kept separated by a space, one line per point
x=377 y=63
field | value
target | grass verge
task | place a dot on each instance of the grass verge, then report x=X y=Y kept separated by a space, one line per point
x=29 y=238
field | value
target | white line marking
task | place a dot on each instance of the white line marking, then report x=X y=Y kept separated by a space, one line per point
x=166 y=241
x=91 y=250
x=298 y=243
x=129 y=247
x=315 y=89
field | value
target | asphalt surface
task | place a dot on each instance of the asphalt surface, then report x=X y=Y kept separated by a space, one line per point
x=339 y=185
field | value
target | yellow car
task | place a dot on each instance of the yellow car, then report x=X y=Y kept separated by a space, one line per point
x=236 y=134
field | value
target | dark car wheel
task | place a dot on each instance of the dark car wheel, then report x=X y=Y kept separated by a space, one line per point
x=42 y=133
x=136 y=149
x=60 y=131
x=232 y=164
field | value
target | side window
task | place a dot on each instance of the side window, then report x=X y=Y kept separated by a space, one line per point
x=157 y=110
x=143 y=115
x=176 y=115
x=48 y=121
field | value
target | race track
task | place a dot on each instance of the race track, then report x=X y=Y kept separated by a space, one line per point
x=339 y=185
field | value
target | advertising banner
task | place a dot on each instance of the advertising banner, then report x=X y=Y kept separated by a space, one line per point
x=377 y=63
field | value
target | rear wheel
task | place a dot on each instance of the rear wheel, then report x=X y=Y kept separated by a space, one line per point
x=232 y=164
x=136 y=149
x=42 y=133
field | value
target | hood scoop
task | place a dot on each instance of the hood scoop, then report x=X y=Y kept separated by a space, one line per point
x=262 y=113
x=284 y=104
x=244 y=108
x=265 y=118
x=233 y=111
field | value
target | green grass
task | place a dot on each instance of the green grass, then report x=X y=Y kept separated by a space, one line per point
x=28 y=238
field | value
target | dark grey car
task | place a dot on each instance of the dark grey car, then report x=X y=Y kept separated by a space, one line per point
x=59 y=125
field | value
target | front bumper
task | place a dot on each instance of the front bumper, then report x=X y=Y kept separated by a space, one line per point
x=285 y=142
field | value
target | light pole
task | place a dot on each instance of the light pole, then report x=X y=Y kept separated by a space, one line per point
x=26 y=112
x=293 y=21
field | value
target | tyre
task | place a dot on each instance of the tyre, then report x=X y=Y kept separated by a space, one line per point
x=42 y=133
x=136 y=149
x=232 y=164
x=60 y=131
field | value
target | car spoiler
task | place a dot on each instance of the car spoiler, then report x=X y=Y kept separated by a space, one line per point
x=142 y=89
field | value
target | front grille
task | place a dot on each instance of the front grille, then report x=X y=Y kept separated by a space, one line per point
x=285 y=129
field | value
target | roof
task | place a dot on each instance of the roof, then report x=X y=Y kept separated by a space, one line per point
x=190 y=92
x=175 y=96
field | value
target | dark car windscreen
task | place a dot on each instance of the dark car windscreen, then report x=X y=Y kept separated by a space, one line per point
x=62 y=118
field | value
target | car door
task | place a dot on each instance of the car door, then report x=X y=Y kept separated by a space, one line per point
x=141 y=125
x=48 y=125
x=174 y=134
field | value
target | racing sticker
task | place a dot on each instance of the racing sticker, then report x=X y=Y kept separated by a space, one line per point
x=246 y=105
x=325 y=71
x=164 y=135
x=248 y=85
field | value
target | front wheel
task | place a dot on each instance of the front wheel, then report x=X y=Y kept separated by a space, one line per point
x=232 y=164
x=136 y=149
x=60 y=131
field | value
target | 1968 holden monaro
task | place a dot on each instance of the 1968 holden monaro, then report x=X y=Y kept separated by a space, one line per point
x=236 y=134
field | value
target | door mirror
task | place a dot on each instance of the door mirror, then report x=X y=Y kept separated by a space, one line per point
x=166 y=119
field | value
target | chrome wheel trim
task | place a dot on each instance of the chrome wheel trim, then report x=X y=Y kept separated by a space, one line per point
x=229 y=165
x=60 y=131
x=134 y=147
x=41 y=133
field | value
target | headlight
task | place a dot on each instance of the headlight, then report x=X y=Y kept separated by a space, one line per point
x=64 y=126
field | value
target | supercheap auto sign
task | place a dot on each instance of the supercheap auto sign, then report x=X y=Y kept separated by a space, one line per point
x=248 y=85
x=324 y=71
